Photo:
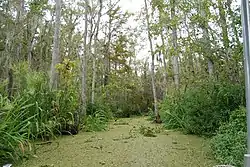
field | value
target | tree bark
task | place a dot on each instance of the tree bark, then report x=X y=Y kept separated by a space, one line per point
x=207 y=46
x=32 y=42
x=175 y=58
x=95 y=53
x=84 y=64
x=10 y=83
x=165 y=75
x=20 y=14
x=107 y=48
x=106 y=58
x=56 y=51
x=157 y=115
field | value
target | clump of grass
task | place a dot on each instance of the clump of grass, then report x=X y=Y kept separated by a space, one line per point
x=97 y=121
x=147 y=131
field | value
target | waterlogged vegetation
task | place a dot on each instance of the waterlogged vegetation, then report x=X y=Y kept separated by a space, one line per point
x=70 y=72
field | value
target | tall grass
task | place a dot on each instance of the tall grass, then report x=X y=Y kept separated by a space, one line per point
x=36 y=112
x=15 y=129
x=28 y=116
x=97 y=118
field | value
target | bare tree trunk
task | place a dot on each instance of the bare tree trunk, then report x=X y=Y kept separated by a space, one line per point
x=106 y=58
x=56 y=51
x=10 y=83
x=210 y=66
x=95 y=53
x=69 y=41
x=106 y=54
x=157 y=115
x=207 y=45
x=30 y=48
x=20 y=14
x=165 y=75
x=175 y=58
x=31 y=43
x=84 y=64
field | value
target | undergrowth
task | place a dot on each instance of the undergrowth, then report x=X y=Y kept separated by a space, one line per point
x=201 y=109
x=36 y=112
x=97 y=118
x=211 y=110
x=229 y=144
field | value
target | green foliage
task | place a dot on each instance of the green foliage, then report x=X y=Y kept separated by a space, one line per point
x=98 y=121
x=34 y=89
x=92 y=109
x=98 y=116
x=124 y=95
x=151 y=114
x=15 y=129
x=211 y=109
x=201 y=109
x=67 y=96
x=36 y=111
x=229 y=144
x=3 y=85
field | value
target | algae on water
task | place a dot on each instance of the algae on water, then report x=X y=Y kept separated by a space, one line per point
x=129 y=149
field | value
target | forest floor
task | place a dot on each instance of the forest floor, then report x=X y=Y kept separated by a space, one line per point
x=125 y=145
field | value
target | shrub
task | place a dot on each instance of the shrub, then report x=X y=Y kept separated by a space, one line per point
x=229 y=145
x=201 y=109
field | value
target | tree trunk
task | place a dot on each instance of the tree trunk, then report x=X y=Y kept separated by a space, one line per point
x=106 y=53
x=157 y=115
x=223 y=24
x=210 y=66
x=10 y=84
x=84 y=65
x=30 y=48
x=56 y=51
x=20 y=14
x=206 y=44
x=164 y=52
x=175 y=58
x=32 y=42
x=165 y=75
x=106 y=58
x=95 y=53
